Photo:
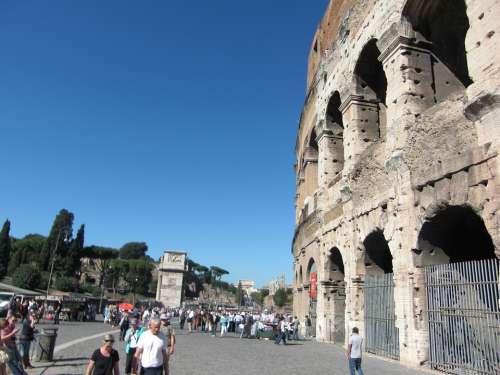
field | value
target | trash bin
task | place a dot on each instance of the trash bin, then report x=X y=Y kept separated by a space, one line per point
x=46 y=344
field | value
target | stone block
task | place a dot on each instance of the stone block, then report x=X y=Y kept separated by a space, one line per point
x=459 y=188
x=479 y=174
x=442 y=188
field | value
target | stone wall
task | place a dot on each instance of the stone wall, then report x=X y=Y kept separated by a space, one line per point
x=397 y=149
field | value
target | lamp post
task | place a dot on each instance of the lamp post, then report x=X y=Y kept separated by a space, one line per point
x=135 y=286
x=65 y=231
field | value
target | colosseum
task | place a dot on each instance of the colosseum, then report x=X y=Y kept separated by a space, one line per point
x=397 y=186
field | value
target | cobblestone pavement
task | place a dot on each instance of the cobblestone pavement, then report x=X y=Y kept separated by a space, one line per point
x=199 y=353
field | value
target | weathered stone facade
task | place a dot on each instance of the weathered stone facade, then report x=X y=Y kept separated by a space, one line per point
x=170 y=278
x=396 y=156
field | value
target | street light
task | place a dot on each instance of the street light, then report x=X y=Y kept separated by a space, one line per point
x=66 y=231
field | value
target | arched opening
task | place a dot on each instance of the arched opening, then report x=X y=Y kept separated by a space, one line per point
x=335 y=125
x=454 y=234
x=378 y=258
x=371 y=84
x=310 y=174
x=301 y=280
x=461 y=273
x=312 y=278
x=336 y=297
x=313 y=143
x=444 y=23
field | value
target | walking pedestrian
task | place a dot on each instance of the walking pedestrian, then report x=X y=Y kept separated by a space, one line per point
x=353 y=352
x=105 y=360
x=169 y=333
x=152 y=350
x=25 y=338
x=281 y=331
x=308 y=327
x=4 y=357
x=223 y=325
x=124 y=325
x=57 y=313
x=296 y=324
x=8 y=338
x=131 y=340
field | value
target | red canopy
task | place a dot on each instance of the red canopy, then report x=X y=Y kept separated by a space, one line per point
x=125 y=306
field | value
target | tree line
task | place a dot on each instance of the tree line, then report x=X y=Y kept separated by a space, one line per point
x=30 y=260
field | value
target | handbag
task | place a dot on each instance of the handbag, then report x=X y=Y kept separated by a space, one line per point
x=4 y=356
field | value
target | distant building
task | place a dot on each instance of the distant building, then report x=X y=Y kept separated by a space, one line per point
x=248 y=286
x=170 y=278
x=276 y=284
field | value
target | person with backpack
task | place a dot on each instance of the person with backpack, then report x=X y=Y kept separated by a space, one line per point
x=169 y=333
x=131 y=340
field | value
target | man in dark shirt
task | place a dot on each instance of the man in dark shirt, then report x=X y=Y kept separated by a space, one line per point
x=105 y=360
x=25 y=339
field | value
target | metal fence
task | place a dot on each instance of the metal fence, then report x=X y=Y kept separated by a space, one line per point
x=382 y=335
x=464 y=317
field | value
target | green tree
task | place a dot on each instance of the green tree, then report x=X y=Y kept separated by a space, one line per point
x=67 y=284
x=27 y=276
x=102 y=257
x=133 y=250
x=5 y=248
x=26 y=251
x=59 y=234
x=280 y=298
x=257 y=297
x=218 y=272
x=138 y=275
x=72 y=261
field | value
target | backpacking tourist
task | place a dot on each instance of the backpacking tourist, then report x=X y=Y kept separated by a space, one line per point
x=25 y=338
x=169 y=333
x=131 y=340
x=353 y=352
x=105 y=360
x=8 y=338
x=152 y=350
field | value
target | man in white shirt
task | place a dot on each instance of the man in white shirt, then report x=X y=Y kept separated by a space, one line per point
x=152 y=350
x=353 y=353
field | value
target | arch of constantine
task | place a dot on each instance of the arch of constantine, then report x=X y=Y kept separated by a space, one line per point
x=397 y=181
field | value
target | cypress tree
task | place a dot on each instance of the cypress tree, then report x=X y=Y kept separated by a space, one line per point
x=61 y=229
x=5 y=248
x=72 y=260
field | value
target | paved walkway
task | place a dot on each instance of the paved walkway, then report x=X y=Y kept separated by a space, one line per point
x=202 y=354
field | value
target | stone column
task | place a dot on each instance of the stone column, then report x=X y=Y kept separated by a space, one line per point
x=407 y=63
x=330 y=158
x=361 y=128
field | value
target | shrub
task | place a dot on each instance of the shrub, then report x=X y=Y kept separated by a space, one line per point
x=27 y=277
x=280 y=298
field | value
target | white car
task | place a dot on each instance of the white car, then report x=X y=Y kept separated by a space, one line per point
x=5 y=298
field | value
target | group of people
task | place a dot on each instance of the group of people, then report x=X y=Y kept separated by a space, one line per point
x=149 y=343
x=15 y=343
x=247 y=324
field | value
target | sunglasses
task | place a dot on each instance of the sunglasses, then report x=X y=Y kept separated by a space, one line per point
x=110 y=341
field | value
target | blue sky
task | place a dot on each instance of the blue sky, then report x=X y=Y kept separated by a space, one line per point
x=169 y=122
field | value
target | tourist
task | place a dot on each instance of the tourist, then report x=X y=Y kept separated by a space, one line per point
x=308 y=327
x=124 y=325
x=4 y=357
x=182 y=319
x=281 y=331
x=190 y=319
x=353 y=352
x=295 y=324
x=169 y=333
x=105 y=360
x=131 y=340
x=26 y=337
x=8 y=338
x=57 y=312
x=223 y=325
x=152 y=350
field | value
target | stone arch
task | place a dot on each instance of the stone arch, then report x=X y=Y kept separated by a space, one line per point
x=334 y=142
x=335 y=294
x=445 y=24
x=311 y=267
x=453 y=234
x=377 y=254
x=301 y=279
x=370 y=85
x=335 y=267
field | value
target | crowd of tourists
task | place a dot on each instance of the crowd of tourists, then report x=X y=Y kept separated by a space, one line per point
x=149 y=342
x=247 y=324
